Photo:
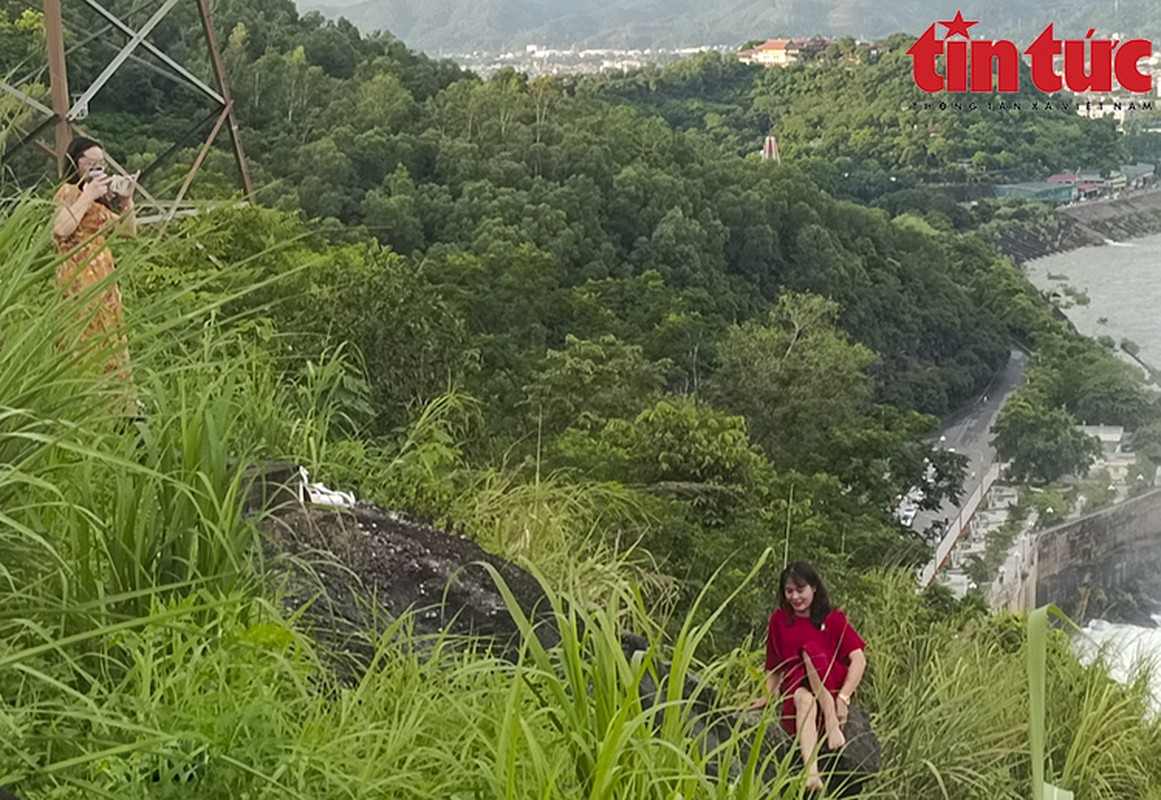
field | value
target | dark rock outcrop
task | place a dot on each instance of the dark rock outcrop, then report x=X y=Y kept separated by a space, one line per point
x=354 y=572
x=1026 y=243
x=351 y=573
x=1133 y=215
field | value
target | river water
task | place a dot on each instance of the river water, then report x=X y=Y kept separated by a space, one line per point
x=1123 y=284
x=1128 y=648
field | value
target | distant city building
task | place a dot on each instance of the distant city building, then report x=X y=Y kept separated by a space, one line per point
x=1086 y=184
x=785 y=52
x=773 y=53
x=1082 y=188
x=539 y=59
x=1086 y=191
x=1138 y=176
x=1112 y=438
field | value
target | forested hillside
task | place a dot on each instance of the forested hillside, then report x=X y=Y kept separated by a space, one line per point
x=867 y=124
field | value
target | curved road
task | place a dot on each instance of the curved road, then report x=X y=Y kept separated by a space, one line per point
x=969 y=431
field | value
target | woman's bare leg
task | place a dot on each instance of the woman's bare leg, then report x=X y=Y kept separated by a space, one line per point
x=834 y=732
x=806 y=715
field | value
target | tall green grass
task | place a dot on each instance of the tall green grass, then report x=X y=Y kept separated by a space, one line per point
x=239 y=703
x=952 y=704
x=140 y=656
x=136 y=651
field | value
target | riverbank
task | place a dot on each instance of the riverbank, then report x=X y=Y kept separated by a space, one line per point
x=1097 y=222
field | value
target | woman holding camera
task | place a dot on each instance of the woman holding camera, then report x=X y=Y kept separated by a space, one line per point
x=91 y=205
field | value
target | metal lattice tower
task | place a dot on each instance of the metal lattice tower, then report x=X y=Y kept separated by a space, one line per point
x=67 y=110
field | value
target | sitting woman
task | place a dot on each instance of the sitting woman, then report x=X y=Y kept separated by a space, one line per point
x=815 y=659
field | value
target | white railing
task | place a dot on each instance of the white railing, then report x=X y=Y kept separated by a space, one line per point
x=956 y=527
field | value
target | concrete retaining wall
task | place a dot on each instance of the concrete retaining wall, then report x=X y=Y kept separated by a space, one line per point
x=1075 y=562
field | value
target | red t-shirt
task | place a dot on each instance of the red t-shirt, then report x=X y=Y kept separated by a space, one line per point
x=789 y=634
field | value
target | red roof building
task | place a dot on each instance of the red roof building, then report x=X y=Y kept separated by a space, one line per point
x=773 y=53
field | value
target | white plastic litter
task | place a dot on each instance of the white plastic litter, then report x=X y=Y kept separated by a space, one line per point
x=321 y=495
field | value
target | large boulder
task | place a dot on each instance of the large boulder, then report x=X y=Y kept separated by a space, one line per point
x=351 y=572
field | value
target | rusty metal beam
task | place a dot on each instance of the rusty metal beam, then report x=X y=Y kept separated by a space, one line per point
x=224 y=86
x=196 y=166
x=27 y=98
x=62 y=114
x=181 y=140
x=178 y=75
x=58 y=75
x=30 y=137
x=176 y=67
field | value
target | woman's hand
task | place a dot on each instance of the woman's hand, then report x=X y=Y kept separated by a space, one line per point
x=842 y=709
x=130 y=187
x=96 y=188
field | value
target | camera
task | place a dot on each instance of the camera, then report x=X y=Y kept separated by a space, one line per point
x=120 y=185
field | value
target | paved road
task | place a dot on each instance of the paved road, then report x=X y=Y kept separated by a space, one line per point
x=968 y=431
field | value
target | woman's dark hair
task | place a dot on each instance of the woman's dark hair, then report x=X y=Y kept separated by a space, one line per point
x=802 y=573
x=77 y=148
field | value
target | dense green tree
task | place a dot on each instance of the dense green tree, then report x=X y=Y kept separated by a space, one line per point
x=871 y=115
x=623 y=294
x=1042 y=443
x=796 y=378
x=887 y=453
x=680 y=441
x=590 y=382
x=408 y=338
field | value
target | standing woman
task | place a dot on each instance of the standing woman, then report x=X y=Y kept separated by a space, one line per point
x=815 y=659
x=89 y=210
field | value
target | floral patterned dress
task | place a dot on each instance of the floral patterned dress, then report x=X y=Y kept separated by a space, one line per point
x=89 y=263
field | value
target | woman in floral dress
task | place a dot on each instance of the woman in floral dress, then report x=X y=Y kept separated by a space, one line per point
x=85 y=217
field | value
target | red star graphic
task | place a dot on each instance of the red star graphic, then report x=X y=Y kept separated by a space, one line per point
x=958 y=26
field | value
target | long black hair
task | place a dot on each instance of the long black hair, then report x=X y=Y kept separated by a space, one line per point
x=803 y=573
x=77 y=148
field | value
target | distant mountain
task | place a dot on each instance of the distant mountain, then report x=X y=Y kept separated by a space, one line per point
x=457 y=26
